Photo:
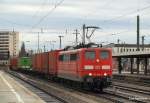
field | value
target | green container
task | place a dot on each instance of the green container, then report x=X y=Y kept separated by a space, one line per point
x=25 y=63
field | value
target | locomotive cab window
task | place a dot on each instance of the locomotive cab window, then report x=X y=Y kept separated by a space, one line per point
x=90 y=55
x=60 y=57
x=104 y=54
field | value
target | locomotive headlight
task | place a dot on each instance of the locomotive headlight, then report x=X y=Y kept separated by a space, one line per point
x=105 y=74
x=97 y=60
x=90 y=74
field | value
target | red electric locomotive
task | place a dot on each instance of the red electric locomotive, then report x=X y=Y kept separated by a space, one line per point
x=90 y=66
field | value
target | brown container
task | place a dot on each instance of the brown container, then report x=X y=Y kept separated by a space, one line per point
x=53 y=59
x=39 y=62
x=34 y=62
x=44 y=62
x=14 y=63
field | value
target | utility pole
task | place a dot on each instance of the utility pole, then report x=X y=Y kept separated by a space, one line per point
x=138 y=33
x=143 y=41
x=83 y=37
x=76 y=32
x=138 y=42
x=38 y=41
x=60 y=37
x=44 y=48
x=118 y=41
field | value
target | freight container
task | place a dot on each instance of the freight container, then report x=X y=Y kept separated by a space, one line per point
x=53 y=58
x=24 y=63
x=39 y=62
x=13 y=63
x=44 y=60
x=34 y=62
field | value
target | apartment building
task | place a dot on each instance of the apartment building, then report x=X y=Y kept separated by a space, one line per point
x=9 y=44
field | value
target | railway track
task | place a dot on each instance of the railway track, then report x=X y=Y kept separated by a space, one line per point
x=126 y=96
x=129 y=91
x=132 y=82
x=46 y=96
x=133 y=88
x=109 y=94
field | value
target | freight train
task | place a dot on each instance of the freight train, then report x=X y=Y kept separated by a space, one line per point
x=87 y=66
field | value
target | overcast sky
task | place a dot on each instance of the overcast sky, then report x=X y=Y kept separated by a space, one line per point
x=58 y=16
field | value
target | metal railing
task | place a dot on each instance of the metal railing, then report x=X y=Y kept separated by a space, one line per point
x=140 y=52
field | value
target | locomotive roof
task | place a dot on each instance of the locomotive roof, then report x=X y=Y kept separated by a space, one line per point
x=81 y=49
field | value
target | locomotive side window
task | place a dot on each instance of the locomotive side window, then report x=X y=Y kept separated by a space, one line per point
x=60 y=57
x=73 y=57
x=104 y=54
x=90 y=54
x=66 y=57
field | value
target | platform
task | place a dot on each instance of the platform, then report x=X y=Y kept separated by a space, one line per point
x=13 y=92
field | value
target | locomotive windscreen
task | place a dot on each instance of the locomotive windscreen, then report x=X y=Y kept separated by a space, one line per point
x=90 y=55
x=104 y=54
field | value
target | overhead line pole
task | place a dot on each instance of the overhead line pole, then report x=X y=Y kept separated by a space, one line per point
x=138 y=33
x=83 y=36
x=39 y=39
x=143 y=41
x=76 y=33
x=60 y=37
x=38 y=42
x=138 y=42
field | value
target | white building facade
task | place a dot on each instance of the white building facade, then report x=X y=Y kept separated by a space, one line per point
x=9 y=45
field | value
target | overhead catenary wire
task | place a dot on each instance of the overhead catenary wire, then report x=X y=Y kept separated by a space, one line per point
x=124 y=15
x=11 y=22
x=105 y=4
x=44 y=3
x=51 y=11
x=115 y=33
x=127 y=14
x=14 y=23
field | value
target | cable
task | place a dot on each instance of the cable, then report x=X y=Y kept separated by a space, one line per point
x=110 y=34
x=130 y=13
x=51 y=11
x=106 y=4
x=12 y=22
x=44 y=32
x=42 y=5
